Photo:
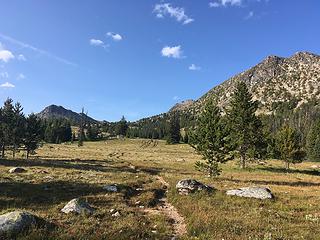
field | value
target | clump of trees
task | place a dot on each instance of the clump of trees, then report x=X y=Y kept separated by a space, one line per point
x=18 y=132
x=241 y=133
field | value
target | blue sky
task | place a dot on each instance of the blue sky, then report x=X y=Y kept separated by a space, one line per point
x=139 y=57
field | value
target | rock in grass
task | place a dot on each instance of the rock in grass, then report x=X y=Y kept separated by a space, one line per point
x=187 y=186
x=111 y=188
x=252 y=192
x=17 y=170
x=18 y=221
x=77 y=206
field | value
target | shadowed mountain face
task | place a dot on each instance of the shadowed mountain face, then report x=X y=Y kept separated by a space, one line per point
x=54 y=111
x=275 y=79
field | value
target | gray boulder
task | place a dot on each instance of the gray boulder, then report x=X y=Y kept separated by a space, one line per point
x=252 y=192
x=187 y=186
x=77 y=206
x=111 y=188
x=17 y=221
x=17 y=170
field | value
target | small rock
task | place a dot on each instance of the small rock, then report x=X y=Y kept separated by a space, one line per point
x=77 y=206
x=188 y=186
x=18 y=221
x=141 y=206
x=181 y=160
x=17 y=170
x=139 y=189
x=315 y=166
x=252 y=192
x=111 y=188
x=112 y=210
x=313 y=217
x=137 y=202
x=116 y=214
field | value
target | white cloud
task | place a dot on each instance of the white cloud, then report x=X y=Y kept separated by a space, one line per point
x=174 y=52
x=37 y=50
x=115 y=36
x=96 y=42
x=194 y=67
x=7 y=85
x=250 y=15
x=6 y=55
x=4 y=75
x=21 y=57
x=178 y=13
x=232 y=3
x=214 y=4
x=21 y=76
x=225 y=3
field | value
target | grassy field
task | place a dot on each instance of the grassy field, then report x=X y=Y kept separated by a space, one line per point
x=59 y=173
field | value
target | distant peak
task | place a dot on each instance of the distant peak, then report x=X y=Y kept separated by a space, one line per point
x=305 y=54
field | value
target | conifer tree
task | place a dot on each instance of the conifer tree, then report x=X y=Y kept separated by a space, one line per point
x=210 y=140
x=174 y=129
x=122 y=127
x=33 y=132
x=7 y=124
x=18 y=128
x=313 y=142
x=288 y=146
x=245 y=126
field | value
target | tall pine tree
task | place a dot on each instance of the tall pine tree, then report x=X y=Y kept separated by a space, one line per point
x=174 y=129
x=210 y=140
x=244 y=124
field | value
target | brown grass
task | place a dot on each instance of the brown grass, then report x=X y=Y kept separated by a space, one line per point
x=62 y=172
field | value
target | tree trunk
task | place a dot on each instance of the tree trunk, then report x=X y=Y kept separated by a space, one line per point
x=2 y=153
x=287 y=164
x=243 y=161
x=27 y=154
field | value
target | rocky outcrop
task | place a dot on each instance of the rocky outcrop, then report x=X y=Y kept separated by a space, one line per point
x=187 y=186
x=252 y=192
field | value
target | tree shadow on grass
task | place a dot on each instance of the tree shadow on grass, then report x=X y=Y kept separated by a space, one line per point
x=283 y=170
x=42 y=195
x=279 y=183
x=85 y=165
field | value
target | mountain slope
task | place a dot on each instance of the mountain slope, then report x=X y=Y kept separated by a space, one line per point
x=274 y=80
x=54 y=111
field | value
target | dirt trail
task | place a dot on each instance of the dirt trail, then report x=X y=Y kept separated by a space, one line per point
x=166 y=208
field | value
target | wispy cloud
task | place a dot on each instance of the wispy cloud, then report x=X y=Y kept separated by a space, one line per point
x=21 y=76
x=250 y=15
x=163 y=9
x=5 y=55
x=176 y=98
x=114 y=36
x=172 y=52
x=37 y=50
x=225 y=3
x=98 y=43
x=4 y=75
x=233 y=3
x=7 y=85
x=194 y=67
x=21 y=57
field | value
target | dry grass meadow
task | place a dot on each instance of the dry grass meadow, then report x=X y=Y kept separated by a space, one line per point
x=59 y=173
